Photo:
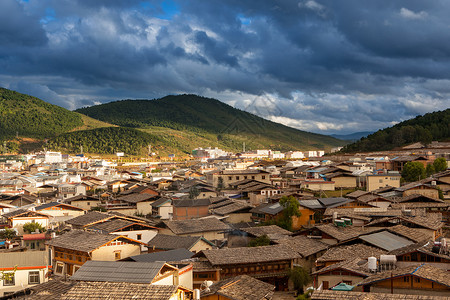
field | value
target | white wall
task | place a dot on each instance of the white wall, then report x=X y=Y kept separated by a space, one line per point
x=21 y=280
x=106 y=253
x=147 y=235
x=19 y=222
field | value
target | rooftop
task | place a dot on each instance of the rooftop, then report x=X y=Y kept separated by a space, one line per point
x=170 y=242
x=84 y=241
x=196 y=225
x=241 y=287
x=342 y=253
x=119 y=290
x=245 y=255
x=118 y=271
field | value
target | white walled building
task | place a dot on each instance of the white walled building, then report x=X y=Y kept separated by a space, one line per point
x=32 y=269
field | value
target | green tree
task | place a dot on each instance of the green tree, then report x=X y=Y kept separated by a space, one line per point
x=8 y=275
x=31 y=227
x=220 y=184
x=413 y=171
x=260 y=241
x=299 y=277
x=7 y=234
x=98 y=208
x=430 y=169
x=291 y=209
x=440 y=164
x=193 y=192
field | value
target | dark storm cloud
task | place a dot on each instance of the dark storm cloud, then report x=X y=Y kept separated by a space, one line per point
x=325 y=65
x=17 y=29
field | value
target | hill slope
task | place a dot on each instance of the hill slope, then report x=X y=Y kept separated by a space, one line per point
x=30 y=117
x=352 y=136
x=210 y=119
x=105 y=140
x=429 y=127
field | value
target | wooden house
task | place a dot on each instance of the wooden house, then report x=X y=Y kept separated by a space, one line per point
x=270 y=263
x=421 y=279
x=72 y=249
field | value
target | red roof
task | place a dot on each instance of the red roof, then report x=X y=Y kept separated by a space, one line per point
x=35 y=236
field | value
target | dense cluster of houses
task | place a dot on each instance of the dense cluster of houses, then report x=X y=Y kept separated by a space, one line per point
x=173 y=230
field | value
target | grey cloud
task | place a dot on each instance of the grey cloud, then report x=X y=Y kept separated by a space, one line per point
x=384 y=60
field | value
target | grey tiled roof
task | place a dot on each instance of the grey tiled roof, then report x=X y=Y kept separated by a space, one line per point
x=170 y=242
x=170 y=255
x=118 y=271
x=119 y=290
x=386 y=240
x=110 y=225
x=135 y=197
x=84 y=241
x=196 y=225
x=342 y=253
x=303 y=245
x=350 y=295
x=241 y=287
x=425 y=271
x=233 y=207
x=53 y=289
x=353 y=264
x=89 y=218
x=266 y=230
x=245 y=255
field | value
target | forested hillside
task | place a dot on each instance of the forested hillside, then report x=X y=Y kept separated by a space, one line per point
x=204 y=115
x=26 y=116
x=106 y=140
x=429 y=127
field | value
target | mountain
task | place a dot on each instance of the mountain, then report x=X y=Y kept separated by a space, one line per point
x=207 y=119
x=433 y=126
x=171 y=125
x=26 y=116
x=352 y=136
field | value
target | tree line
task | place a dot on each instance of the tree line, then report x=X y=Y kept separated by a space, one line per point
x=429 y=127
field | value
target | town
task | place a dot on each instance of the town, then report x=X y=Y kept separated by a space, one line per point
x=259 y=224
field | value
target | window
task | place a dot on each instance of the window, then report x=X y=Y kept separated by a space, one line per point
x=9 y=279
x=237 y=177
x=59 y=268
x=263 y=177
x=33 y=277
x=406 y=279
x=229 y=178
x=139 y=237
x=89 y=203
x=117 y=255
x=75 y=268
x=417 y=279
x=32 y=245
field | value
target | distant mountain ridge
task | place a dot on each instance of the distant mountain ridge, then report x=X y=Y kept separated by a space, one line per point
x=352 y=136
x=433 y=126
x=173 y=124
x=205 y=117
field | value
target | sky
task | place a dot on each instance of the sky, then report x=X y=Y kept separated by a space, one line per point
x=324 y=66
